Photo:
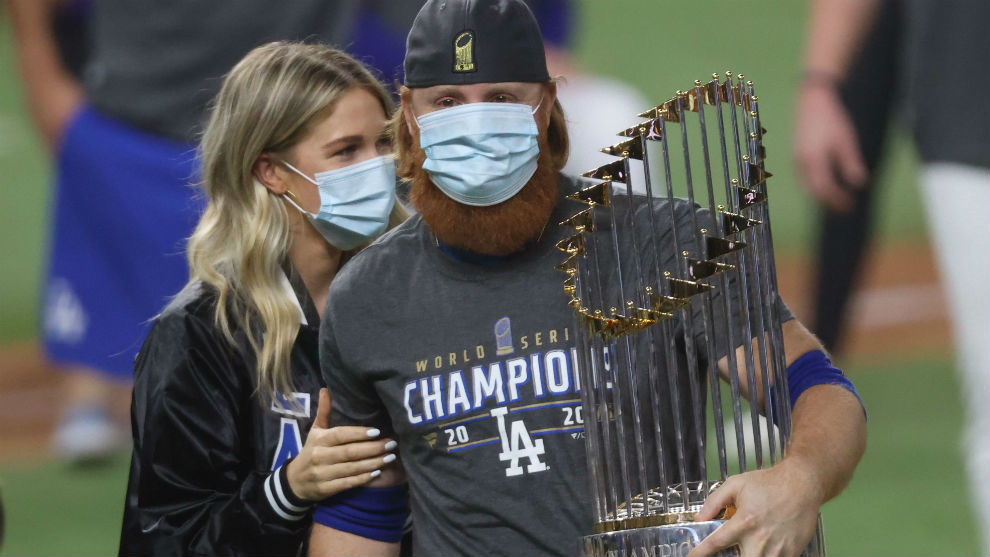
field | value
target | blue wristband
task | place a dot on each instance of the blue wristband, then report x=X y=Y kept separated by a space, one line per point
x=377 y=513
x=814 y=368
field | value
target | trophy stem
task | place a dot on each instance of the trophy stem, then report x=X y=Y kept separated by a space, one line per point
x=587 y=373
x=654 y=374
x=729 y=329
x=776 y=335
x=713 y=378
x=592 y=437
x=632 y=368
x=607 y=351
x=761 y=276
x=617 y=394
x=671 y=349
x=747 y=276
x=698 y=405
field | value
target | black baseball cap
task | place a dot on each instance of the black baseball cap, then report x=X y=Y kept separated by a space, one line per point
x=458 y=42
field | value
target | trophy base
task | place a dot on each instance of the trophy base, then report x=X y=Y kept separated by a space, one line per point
x=674 y=540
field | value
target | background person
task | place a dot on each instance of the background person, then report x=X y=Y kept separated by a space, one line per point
x=869 y=95
x=482 y=142
x=123 y=140
x=595 y=106
x=943 y=44
x=298 y=174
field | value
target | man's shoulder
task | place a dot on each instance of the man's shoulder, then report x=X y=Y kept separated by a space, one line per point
x=569 y=183
x=383 y=260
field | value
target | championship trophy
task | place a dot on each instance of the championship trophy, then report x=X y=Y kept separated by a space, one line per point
x=661 y=293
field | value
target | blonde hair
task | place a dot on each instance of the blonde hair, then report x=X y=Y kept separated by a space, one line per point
x=268 y=102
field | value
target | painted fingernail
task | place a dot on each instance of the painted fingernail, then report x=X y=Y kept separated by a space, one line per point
x=374 y=432
x=391 y=445
x=376 y=473
x=388 y=458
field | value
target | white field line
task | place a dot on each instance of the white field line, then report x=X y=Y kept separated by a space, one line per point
x=877 y=308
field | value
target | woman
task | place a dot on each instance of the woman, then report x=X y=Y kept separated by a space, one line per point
x=296 y=168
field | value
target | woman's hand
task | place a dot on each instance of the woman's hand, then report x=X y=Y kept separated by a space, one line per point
x=337 y=459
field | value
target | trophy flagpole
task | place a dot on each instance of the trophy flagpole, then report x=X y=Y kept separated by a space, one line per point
x=703 y=96
x=689 y=339
x=765 y=295
x=616 y=408
x=733 y=356
x=752 y=270
x=586 y=369
x=614 y=359
x=672 y=368
x=626 y=149
x=762 y=207
x=629 y=305
x=741 y=274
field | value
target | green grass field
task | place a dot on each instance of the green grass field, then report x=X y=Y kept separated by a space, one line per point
x=908 y=497
x=23 y=167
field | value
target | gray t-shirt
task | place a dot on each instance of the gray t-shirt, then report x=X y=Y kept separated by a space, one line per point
x=156 y=65
x=472 y=368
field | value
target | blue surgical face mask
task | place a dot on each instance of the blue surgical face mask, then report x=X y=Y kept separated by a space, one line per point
x=355 y=201
x=480 y=154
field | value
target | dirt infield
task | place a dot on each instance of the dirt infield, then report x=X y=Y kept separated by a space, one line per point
x=29 y=392
x=899 y=312
x=899 y=309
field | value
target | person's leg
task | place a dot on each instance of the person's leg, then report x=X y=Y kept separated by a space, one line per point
x=868 y=94
x=92 y=424
x=85 y=429
x=956 y=200
x=843 y=240
x=123 y=208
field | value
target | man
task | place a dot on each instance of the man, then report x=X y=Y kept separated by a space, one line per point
x=846 y=223
x=437 y=331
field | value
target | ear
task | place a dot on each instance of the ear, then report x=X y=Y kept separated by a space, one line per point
x=549 y=98
x=269 y=172
x=408 y=118
x=551 y=91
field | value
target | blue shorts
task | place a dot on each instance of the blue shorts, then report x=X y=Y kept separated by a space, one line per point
x=124 y=204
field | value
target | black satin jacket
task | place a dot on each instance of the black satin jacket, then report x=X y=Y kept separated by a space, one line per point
x=204 y=472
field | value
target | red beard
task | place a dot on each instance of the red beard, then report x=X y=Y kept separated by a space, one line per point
x=499 y=230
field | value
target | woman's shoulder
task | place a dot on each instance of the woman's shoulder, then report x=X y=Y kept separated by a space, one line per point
x=185 y=342
x=193 y=298
x=188 y=321
x=196 y=298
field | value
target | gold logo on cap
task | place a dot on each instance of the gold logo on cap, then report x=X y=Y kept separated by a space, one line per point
x=464 y=52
